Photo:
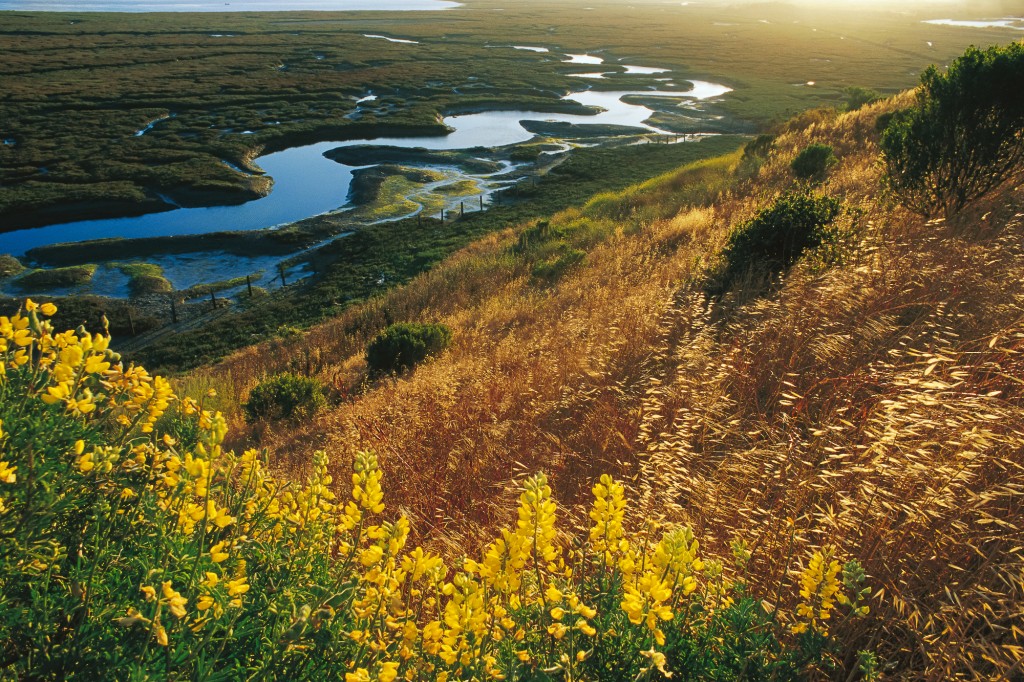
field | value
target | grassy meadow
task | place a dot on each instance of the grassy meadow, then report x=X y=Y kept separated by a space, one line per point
x=869 y=400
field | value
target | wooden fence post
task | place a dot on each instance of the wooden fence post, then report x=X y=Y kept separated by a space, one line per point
x=174 y=311
x=248 y=285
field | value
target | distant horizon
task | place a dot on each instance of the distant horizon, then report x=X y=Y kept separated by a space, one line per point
x=142 y=6
x=990 y=8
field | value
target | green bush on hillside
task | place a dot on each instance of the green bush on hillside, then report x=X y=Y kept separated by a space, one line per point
x=406 y=344
x=755 y=153
x=964 y=136
x=857 y=97
x=285 y=396
x=759 y=148
x=813 y=162
x=778 y=235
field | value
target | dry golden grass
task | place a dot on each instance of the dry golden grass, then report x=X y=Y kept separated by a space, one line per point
x=876 y=405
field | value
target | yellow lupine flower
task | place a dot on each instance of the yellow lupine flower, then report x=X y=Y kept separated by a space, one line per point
x=557 y=630
x=388 y=672
x=96 y=364
x=586 y=628
x=819 y=590
x=371 y=555
x=175 y=602
x=607 y=514
x=85 y=463
x=237 y=587
x=218 y=553
x=7 y=474
x=161 y=635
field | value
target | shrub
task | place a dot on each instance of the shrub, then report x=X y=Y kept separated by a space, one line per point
x=883 y=121
x=755 y=153
x=857 y=97
x=777 y=236
x=759 y=148
x=813 y=162
x=406 y=344
x=127 y=555
x=285 y=396
x=965 y=134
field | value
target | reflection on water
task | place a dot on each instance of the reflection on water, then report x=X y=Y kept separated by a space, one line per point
x=1015 y=23
x=582 y=59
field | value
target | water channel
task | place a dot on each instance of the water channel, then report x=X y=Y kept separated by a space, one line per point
x=307 y=184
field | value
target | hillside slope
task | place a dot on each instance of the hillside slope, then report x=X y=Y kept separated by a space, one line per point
x=870 y=400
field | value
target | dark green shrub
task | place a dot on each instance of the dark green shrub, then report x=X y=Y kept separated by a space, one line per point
x=759 y=148
x=755 y=153
x=285 y=396
x=813 y=162
x=406 y=344
x=856 y=97
x=965 y=134
x=883 y=120
x=777 y=236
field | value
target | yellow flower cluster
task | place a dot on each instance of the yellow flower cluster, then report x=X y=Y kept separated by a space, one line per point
x=8 y=473
x=819 y=591
x=229 y=552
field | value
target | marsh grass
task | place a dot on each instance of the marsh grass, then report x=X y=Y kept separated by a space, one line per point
x=10 y=266
x=144 y=278
x=55 y=278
